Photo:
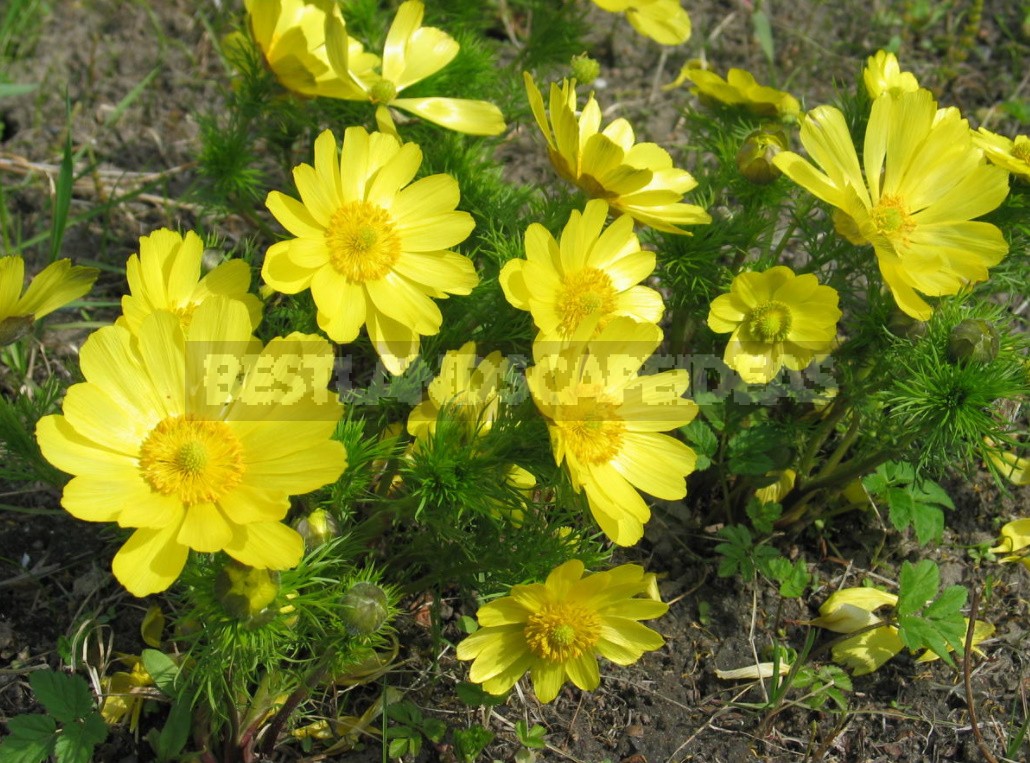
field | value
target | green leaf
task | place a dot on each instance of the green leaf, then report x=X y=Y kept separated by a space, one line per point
x=736 y=552
x=468 y=743
x=434 y=729
x=176 y=731
x=763 y=515
x=876 y=483
x=703 y=440
x=794 y=580
x=901 y=505
x=759 y=449
x=76 y=742
x=9 y=89
x=65 y=697
x=763 y=34
x=17 y=749
x=928 y=491
x=474 y=696
x=32 y=726
x=917 y=584
x=928 y=522
x=531 y=737
x=162 y=669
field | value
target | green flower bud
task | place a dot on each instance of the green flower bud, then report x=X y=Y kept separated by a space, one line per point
x=245 y=591
x=973 y=339
x=365 y=608
x=905 y=326
x=755 y=157
x=585 y=69
x=317 y=528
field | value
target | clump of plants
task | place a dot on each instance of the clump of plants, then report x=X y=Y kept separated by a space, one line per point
x=413 y=376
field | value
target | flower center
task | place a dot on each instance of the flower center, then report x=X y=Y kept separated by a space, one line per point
x=185 y=314
x=770 y=322
x=1021 y=150
x=198 y=461
x=583 y=293
x=890 y=217
x=560 y=632
x=383 y=91
x=593 y=431
x=363 y=244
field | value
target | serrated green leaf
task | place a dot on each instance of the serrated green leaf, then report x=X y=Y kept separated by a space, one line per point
x=929 y=491
x=875 y=483
x=759 y=449
x=398 y=748
x=94 y=730
x=928 y=522
x=468 y=743
x=900 y=504
x=763 y=516
x=917 y=584
x=701 y=437
x=795 y=581
x=434 y=729
x=162 y=669
x=76 y=742
x=66 y=697
x=32 y=726
x=17 y=749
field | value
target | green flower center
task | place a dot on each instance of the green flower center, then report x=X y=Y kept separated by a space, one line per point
x=383 y=91
x=890 y=217
x=582 y=294
x=770 y=322
x=363 y=245
x=561 y=631
x=593 y=431
x=198 y=461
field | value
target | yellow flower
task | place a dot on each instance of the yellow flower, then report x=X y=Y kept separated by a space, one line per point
x=197 y=444
x=371 y=247
x=558 y=629
x=165 y=275
x=664 y=21
x=122 y=696
x=291 y=35
x=411 y=54
x=593 y=272
x=775 y=492
x=778 y=319
x=605 y=421
x=924 y=182
x=636 y=179
x=1015 y=538
x=54 y=286
x=1009 y=154
x=738 y=89
x=883 y=74
x=852 y=609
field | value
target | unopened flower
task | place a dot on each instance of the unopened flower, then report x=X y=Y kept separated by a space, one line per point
x=372 y=246
x=1012 y=154
x=594 y=271
x=882 y=74
x=636 y=179
x=975 y=340
x=556 y=630
x=245 y=592
x=777 y=320
x=191 y=457
x=605 y=421
x=755 y=157
x=1015 y=539
x=317 y=528
x=364 y=609
x=738 y=89
x=664 y=21
x=914 y=197
x=291 y=35
x=165 y=275
x=54 y=286
x=411 y=54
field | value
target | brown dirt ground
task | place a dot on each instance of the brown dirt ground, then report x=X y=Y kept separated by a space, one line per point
x=670 y=706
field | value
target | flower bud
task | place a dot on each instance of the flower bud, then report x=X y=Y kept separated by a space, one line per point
x=755 y=157
x=973 y=339
x=245 y=591
x=585 y=69
x=364 y=608
x=903 y=325
x=317 y=528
